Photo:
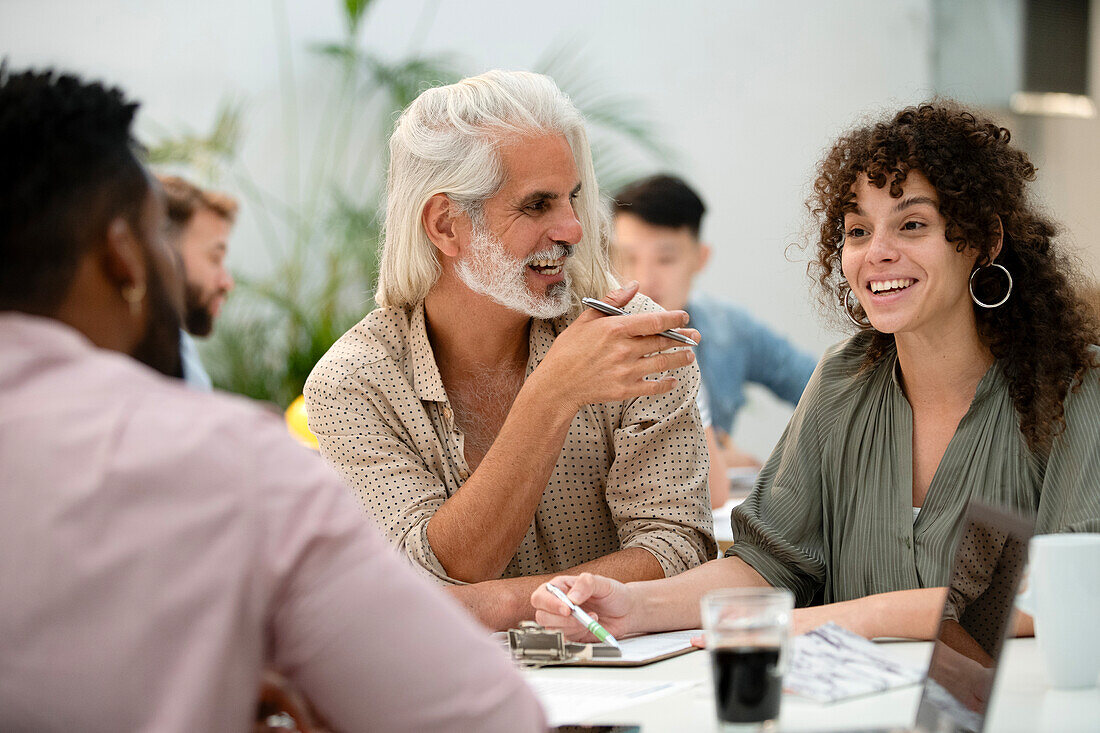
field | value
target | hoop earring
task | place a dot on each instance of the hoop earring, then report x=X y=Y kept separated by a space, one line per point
x=847 y=307
x=133 y=294
x=1008 y=292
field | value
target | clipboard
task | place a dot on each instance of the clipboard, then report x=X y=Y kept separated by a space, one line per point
x=533 y=645
x=639 y=651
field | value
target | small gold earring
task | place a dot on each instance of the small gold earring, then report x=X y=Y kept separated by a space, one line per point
x=133 y=294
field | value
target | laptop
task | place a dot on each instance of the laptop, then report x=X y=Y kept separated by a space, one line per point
x=963 y=667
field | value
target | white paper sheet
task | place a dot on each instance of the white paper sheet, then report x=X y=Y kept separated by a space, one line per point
x=641 y=648
x=575 y=701
x=831 y=663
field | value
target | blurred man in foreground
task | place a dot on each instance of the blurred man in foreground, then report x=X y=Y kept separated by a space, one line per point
x=159 y=547
x=198 y=228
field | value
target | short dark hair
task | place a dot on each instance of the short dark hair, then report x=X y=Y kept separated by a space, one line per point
x=69 y=168
x=662 y=200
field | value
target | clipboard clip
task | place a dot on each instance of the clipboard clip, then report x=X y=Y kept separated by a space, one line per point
x=534 y=646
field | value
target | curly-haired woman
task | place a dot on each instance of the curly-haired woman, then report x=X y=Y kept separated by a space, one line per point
x=973 y=375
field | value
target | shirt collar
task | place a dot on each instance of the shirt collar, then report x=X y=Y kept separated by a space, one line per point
x=425 y=372
x=990 y=382
x=541 y=338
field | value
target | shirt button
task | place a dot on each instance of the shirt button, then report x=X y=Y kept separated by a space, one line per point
x=908 y=544
x=447 y=413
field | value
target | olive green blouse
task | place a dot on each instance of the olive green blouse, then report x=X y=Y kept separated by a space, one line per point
x=831 y=515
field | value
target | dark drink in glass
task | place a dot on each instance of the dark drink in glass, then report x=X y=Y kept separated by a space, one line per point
x=746 y=631
x=747 y=683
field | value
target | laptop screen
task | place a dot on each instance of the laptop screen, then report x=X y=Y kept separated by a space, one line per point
x=977 y=616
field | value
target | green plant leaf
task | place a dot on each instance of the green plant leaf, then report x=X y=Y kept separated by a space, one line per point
x=338 y=51
x=214 y=150
x=405 y=79
x=354 y=11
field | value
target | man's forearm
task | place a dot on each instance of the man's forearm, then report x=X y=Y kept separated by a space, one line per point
x=476 y=532
x=501 y=604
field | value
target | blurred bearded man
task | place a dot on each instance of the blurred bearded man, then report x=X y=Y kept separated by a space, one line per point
x=160 y=547
x=495 y=429
x=198 y=227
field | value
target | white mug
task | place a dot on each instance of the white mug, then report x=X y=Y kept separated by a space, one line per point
x=1063 y=596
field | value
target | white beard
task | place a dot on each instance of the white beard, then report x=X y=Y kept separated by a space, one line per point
x=492 y=272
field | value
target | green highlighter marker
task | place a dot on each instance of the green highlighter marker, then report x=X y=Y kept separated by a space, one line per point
x=589 y=623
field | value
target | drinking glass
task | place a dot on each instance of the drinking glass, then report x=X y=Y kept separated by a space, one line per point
x=746 y=630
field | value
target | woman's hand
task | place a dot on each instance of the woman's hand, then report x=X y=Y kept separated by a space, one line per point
x=608 y=601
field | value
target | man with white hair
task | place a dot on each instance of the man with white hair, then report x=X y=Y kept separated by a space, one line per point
x=494 y=429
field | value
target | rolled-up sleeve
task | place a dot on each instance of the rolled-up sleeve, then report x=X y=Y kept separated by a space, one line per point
x=657 y=486
x=778 y=528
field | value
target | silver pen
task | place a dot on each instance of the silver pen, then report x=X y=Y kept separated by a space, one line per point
x=610 y=310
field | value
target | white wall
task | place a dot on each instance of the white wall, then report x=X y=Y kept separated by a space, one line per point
x=748 y=92
x=1067 y=154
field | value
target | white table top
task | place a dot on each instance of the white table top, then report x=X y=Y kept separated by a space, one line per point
x=1022 y=701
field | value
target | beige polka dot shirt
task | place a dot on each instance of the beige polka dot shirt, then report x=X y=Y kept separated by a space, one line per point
x=630 y=474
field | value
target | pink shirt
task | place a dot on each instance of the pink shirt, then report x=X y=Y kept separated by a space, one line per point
x=158 y=547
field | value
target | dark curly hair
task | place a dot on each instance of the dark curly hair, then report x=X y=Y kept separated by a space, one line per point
x=69 y=167
x=1042 y=334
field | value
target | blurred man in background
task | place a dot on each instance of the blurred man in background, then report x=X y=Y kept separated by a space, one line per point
x=198 y=227
x=656 y=241
x=159 y=547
